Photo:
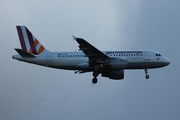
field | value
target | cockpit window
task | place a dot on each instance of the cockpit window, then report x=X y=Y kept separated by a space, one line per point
x=158 y=54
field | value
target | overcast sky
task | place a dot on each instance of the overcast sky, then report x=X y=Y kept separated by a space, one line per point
x=31 y=92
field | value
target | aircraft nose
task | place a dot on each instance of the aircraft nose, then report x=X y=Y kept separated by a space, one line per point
x=166 y=61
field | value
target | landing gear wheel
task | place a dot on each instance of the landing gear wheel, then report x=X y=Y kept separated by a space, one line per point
x=94 y=80
x=95 y=74
x=147 y=76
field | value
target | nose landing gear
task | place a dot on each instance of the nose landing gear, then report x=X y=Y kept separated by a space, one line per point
x=147 y=76
x=146 y=72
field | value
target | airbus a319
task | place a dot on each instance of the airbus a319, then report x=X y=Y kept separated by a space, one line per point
x=110 y=64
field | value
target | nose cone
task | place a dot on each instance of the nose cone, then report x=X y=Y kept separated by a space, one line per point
x=166 y=61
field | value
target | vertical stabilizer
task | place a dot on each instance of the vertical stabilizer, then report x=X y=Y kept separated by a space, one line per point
x=29 y=43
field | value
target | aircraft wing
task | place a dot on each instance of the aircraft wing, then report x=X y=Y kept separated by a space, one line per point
x=91 y=52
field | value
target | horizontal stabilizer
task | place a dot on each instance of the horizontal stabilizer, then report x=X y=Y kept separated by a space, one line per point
x=23 y=53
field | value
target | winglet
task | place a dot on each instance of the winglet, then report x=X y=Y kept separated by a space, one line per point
x=74 y=37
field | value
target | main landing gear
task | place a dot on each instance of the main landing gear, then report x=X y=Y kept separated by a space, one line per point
x=95 y=80
x=146 y=72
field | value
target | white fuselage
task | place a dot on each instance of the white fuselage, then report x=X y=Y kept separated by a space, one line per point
x=79 y=61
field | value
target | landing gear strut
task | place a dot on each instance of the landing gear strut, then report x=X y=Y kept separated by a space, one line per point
x=95 y=80
x=146 y=72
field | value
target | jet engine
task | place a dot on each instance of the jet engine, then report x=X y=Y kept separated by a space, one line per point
x=116 y=75
x=117 y=64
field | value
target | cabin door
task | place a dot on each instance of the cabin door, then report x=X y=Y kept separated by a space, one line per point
x=147 y=55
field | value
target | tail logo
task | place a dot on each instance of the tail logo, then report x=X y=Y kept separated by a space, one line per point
x=28 y=42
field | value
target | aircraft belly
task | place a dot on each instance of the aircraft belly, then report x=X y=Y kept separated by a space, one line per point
x=69 y=64
x=144 y=64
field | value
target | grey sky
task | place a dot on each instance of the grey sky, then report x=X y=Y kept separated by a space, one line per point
x=33 y=92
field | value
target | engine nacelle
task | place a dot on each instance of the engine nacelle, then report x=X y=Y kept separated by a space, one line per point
x=118 y=64
x=116 y=75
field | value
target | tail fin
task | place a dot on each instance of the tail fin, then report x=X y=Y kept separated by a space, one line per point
x=28 y=42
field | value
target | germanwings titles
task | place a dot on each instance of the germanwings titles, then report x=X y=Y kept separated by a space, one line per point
x=110 y=64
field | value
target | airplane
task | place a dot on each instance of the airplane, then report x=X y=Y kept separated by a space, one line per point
x=110 y=64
